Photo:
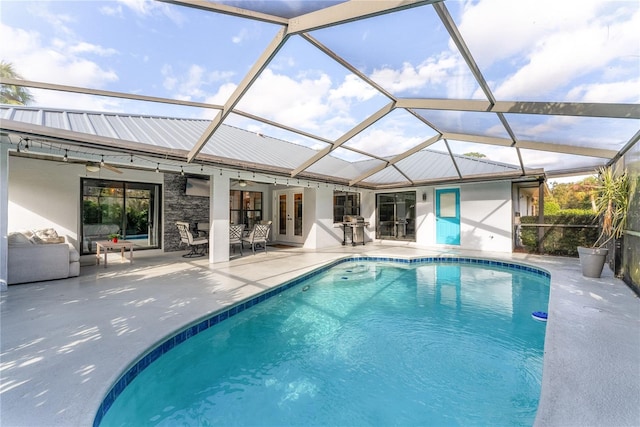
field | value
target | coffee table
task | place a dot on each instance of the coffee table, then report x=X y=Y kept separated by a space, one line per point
x=108 y=245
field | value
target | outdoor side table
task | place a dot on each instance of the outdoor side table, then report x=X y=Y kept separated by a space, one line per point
x=108 y=245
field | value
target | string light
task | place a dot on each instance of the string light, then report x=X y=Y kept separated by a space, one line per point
x=181 y=171
x=158 y=168
x=26 y=145
x=102 y=160
x=66 y=156
x=131 y=161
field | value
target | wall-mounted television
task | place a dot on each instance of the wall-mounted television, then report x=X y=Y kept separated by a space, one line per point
x=197 y=187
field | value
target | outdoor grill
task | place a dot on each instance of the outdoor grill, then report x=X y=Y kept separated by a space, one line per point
x=353 y=229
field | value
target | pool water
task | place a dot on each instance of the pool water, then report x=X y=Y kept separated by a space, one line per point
x=362 y=344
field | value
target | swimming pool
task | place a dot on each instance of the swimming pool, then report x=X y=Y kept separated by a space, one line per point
x=365 y=342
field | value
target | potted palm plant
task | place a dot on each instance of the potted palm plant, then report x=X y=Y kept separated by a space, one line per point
x=612 y=205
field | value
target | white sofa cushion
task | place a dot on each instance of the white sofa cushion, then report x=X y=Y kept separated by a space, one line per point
x=35 y=263
x=74 y=256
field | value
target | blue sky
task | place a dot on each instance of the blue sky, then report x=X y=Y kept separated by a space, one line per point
x=569 y=50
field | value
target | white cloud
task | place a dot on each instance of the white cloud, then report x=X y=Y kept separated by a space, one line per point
x=170 y=81
x=84 y=47
x=550 y=45
x=151 y=8
x=57 y=62
x=240 y=37
x=499 y=29
x=222 y=95
x=111 y=11
x=297 y=103
x=192 y=85
x=389 y=141
x=353 y=88
x=58 y=21
x=436 y=71
x=613 y=92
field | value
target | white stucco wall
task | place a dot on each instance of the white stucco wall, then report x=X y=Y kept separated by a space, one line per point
x=486 y=217
x=46 y=194
x=318 y=210
x=425 y=219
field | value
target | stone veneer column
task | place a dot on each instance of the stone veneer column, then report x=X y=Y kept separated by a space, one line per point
x=180 y=207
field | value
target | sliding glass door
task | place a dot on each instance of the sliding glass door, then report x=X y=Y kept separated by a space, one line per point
x=130 y=209
x=396 y=213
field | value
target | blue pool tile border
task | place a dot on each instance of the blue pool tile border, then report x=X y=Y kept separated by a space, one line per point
x=214 y=319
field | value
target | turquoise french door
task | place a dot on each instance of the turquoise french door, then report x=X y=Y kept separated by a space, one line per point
x=448 y=216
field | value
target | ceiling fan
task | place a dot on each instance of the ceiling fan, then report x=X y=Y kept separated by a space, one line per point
x=244 y=182
x=95 y=166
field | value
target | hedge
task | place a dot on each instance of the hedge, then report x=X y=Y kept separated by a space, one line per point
x=561 y=240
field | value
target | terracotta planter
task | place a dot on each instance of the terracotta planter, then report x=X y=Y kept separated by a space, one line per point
x=592 y=260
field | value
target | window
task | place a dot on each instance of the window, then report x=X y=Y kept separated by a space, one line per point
x=245 y=207
x=130 y=209
x=345 y=203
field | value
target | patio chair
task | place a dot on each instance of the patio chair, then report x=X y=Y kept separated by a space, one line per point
x=197 y=245
x=259 y=235
x=235 y=235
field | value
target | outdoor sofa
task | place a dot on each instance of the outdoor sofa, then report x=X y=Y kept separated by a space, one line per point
x=34 y=256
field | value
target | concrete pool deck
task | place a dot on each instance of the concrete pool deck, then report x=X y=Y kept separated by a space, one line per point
x=65 y=342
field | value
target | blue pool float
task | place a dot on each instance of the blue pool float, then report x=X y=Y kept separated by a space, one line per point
x=539 y=315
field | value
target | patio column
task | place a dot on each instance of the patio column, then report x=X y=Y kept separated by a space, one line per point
x=219 y=218
x=541 y=230
x=4 y=214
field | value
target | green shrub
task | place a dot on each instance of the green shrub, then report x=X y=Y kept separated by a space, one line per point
x=577 y=212
x=561 y=240
x=551 y=207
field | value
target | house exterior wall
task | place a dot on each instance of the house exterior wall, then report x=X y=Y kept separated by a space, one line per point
x=46 y=194
x=319 y=218
x=486 y=217
x=425 y=217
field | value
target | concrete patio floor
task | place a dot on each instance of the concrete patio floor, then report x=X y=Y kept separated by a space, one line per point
x=65 y=342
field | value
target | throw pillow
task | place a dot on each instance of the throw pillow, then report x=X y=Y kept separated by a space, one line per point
x=47 y=235
x=18 y=239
